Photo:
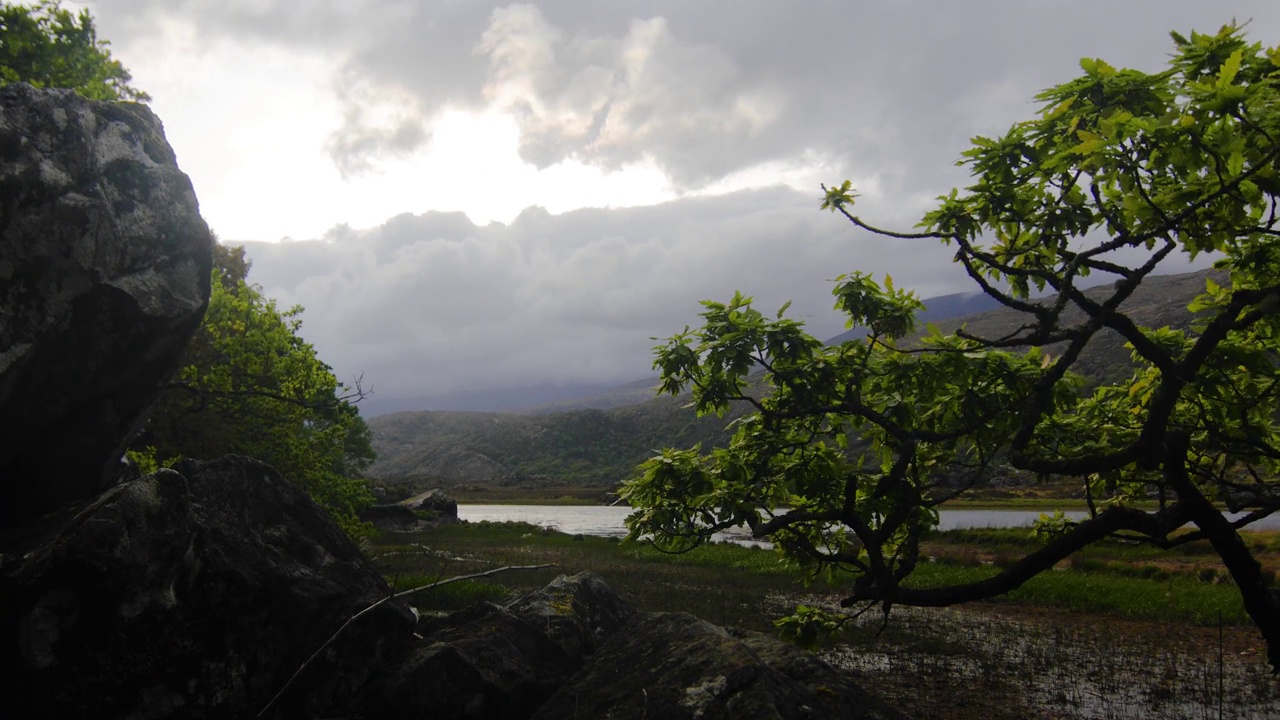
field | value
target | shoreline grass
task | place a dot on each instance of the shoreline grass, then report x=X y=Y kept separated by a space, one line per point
x=727 y=583
x=1101 y=616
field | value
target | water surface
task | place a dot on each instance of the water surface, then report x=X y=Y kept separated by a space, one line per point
x=609 y=520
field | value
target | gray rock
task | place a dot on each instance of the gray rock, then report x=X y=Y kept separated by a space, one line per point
x=576 y=611
x=394 y=518
x=677 y=667
x=194 y=594
x=490 y=662
x=104 y=276
x=435 y=501
x=420 y=512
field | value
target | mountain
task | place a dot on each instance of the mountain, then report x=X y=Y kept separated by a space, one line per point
x=936 y=309
x=533 y=398
x=600 y=446
x=578 y=447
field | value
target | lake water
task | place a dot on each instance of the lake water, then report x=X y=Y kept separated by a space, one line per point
x=608 y=520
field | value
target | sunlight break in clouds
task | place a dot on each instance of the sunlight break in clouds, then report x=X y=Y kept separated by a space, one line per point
x=251 y=123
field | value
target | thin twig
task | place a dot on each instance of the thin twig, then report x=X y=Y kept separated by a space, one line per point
x=393 y=596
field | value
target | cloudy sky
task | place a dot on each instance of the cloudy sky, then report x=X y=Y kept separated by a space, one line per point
x=471 y=198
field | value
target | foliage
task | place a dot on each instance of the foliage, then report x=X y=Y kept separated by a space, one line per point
x=250 y=385
x=47 y=46
x=1121 y=175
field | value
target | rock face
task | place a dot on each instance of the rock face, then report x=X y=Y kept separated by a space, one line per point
x=675 y=666
x=104 y=275
x=194 y=593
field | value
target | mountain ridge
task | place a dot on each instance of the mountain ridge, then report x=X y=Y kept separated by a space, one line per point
x=600 y=446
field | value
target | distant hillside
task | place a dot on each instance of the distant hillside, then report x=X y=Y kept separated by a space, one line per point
x=579 y=447
x=632 y=393
x=936 y=309
x=602 y=446
x=1159 y=302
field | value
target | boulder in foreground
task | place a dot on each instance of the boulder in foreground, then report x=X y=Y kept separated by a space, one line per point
x=104 y=276
x=677 y=667
x=192 y=593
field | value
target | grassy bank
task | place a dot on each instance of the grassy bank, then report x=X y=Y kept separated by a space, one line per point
x=730 y=584
x=1118 y=632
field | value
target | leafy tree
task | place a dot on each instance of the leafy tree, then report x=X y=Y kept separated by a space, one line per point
x=1121 y=175
x=47 y=46
x=250 y=385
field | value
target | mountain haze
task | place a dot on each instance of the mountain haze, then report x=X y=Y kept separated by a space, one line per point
x=598 y=440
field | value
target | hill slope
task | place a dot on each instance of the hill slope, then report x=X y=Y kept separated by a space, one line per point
x=600 y=447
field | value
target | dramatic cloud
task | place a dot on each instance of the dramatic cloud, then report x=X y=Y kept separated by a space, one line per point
x=319 y=121
x=703 y=90
x=430 y=305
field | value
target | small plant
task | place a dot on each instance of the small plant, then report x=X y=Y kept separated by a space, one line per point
x=809 y=627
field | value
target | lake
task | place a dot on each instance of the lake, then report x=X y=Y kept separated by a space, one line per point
x=608 y=520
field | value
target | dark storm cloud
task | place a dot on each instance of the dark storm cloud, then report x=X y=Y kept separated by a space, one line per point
x=705 y=89
x=431 y=304
x=886 y=92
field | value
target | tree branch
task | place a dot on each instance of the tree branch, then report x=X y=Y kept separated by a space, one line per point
x=394 y=596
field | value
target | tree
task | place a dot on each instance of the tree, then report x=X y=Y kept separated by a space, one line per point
x=47 y=46
x=847 y=455
x=250 y=385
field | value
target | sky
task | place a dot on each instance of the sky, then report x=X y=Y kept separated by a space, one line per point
x=472 y=199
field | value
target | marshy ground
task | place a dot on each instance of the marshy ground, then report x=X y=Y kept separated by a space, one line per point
x=1120 y=631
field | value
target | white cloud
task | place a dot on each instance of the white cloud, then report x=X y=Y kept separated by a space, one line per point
x=426 y=305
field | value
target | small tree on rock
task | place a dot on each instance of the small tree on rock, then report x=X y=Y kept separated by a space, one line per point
x=45 y=45
x=1122 y=175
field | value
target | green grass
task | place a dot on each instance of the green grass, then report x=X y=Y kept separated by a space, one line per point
x=455 y=595
x=731 y=584
x=1169 y=599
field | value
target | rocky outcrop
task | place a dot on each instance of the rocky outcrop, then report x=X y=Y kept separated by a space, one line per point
x=677 y=667
x=193 y=593
x=490 y=662
x=575 y=649
x=420 y=512
x=436 y=502
x=197 y=592
x=104 y=275
x=577 y=612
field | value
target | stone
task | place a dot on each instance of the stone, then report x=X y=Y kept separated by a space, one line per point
x=195 y=593
x=435 y=501
x=394 y=518
x=576 y=611
x=677 y=667
x=104 y=276
x=416 y=514
x=491 y=662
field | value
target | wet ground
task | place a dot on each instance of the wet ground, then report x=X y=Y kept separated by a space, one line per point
x=994 y=663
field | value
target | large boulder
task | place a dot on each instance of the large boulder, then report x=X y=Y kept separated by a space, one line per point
x=420 y=512
x=104 y=276
x=677 y=667
x=193 y=593
x=578 y=612
x=494 y=663
x=436 y=502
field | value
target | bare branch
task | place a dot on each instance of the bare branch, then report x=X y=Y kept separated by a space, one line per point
x=394 y=596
